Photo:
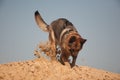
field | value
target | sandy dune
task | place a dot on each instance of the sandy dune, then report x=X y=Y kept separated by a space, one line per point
x=43 y=69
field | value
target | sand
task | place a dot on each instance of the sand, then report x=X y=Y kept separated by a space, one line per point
x=43 y=69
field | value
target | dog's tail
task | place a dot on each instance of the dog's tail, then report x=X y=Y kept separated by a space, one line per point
x=40 y=22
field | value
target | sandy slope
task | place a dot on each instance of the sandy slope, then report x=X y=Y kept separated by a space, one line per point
x=42 y=69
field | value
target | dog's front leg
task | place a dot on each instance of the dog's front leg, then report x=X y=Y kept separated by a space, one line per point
x=64 y=58
x=74 y=60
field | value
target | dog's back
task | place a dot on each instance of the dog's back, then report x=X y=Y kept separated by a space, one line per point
x=59 y=25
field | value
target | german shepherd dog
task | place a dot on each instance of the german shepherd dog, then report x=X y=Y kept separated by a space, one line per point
x=62 y=33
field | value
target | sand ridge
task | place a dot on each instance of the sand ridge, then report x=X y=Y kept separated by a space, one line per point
x=43 y=69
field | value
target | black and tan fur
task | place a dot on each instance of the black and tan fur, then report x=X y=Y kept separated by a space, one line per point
x=62 y=33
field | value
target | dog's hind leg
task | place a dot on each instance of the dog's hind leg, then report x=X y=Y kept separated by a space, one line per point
x=52 y=45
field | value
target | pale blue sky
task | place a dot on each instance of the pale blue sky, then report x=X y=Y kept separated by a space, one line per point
x=96 y=20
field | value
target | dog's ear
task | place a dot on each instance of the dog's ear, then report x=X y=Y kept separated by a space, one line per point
x=40 y=22
x=83 y=41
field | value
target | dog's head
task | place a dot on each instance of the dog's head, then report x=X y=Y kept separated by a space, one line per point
x=73 y=43
x=76 y=44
